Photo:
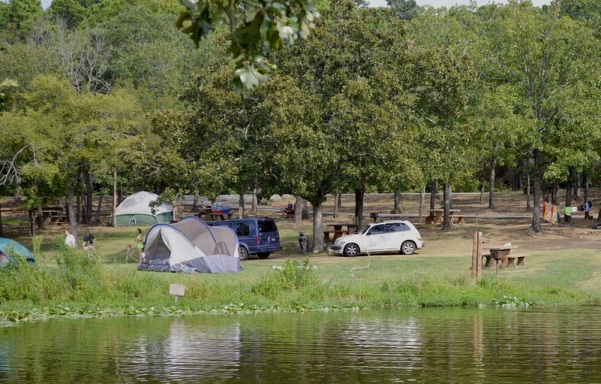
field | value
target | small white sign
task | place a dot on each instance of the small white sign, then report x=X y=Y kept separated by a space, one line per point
x=177 y=289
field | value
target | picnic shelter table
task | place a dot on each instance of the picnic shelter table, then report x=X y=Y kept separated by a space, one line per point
x=339 y=229
x=436 y=216
x=215 y=212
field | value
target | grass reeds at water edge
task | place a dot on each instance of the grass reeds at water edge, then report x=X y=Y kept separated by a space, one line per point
x=70 y=283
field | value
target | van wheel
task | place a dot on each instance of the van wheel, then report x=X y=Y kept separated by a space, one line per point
x=243 y=253
x=263 y=255
x=351 y=250
x=408 y=248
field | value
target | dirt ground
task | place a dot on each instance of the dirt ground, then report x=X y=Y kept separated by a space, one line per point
x=496 y=231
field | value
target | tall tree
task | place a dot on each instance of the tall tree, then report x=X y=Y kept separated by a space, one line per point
x=554 y=74
x=353 y=67
x=63 y=134
x=443 y=88
x=18 y=18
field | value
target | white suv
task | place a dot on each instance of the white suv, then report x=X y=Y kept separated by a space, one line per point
x=388 y=236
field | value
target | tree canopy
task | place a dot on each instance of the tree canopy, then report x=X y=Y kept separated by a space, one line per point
x=360 y=99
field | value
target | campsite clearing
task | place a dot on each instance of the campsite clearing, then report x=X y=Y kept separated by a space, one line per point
x=439 y=274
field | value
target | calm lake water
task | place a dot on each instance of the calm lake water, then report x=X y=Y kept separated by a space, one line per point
x=422 y=346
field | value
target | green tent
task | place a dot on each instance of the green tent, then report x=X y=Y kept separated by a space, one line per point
x=10 y=249
x=137 y=210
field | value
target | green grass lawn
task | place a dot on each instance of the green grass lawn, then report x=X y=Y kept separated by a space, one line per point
x=65 y=282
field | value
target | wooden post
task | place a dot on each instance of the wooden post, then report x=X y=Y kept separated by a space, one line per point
x=474 y=255
x=477 y=256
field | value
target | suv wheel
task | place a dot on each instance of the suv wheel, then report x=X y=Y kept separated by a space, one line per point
x=351 y=249
x=243 y=252
x=408 y=248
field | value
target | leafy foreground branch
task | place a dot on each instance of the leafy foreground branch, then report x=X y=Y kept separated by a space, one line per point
x=77 y=286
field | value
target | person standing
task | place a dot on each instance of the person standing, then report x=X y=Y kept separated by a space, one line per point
x=70 y=239
x=88 y=240
x=140 y=243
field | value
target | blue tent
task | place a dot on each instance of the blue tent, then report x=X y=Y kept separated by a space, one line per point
x=11 y=248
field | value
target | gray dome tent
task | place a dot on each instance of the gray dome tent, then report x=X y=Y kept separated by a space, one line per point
x=190 y=245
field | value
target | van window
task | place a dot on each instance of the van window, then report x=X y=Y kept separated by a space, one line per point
x=243 y=229
x=267 y=226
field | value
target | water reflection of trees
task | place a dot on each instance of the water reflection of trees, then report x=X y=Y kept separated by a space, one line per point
x=424 y=345
x=188 y=351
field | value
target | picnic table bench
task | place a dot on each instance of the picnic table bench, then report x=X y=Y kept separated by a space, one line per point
x=338 y=231
x=54 y=215
x=502 y=257
x=437 y=217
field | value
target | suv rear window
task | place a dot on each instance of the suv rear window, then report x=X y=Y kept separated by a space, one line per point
x=267 y=226
x=243 y=229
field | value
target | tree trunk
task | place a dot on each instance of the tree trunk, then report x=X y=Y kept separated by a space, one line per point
x=299 y=206
x=78 y=210
x=90 y=197
x=240 y=205
x=99 y=210
x=336 y=202
x=433 y=194
x=305 y=210
x=30 y=222
x=577 y=187
x=587 y=214
x=359 y=198
x=536 y=220
x=481 y=192
x=114 y=197
x=493 y=166
x=253 y=206
x=528 y=206
x=398 y=202
x=555 y=192
x=40 y=218
x=422 y=197
x=446 y=223
x=71 y=211
x=318 y=244
x=568 y=218
x=1 y=225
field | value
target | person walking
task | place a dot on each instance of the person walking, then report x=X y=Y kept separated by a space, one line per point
x=140 y=243
x=88 y=240
x=70 y=239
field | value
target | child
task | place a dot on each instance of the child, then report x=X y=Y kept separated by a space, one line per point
x=88 y=240
x=129 y=255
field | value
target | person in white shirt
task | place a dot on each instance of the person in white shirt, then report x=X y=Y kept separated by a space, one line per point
x=70 y=239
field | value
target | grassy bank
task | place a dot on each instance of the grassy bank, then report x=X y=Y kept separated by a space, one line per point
x=65 y=282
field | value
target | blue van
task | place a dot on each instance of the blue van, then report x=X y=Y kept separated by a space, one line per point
x=258 y=236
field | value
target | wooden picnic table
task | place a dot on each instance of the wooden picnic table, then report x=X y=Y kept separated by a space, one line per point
x=340 y=229
x=502 y=256
x=215 y=215
x=436 y=216
x=54 y=214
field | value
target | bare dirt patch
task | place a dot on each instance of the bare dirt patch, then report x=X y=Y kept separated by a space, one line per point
x=496 y=231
